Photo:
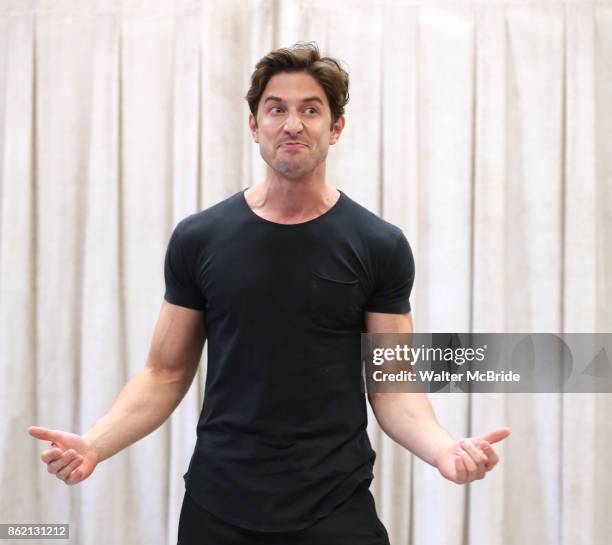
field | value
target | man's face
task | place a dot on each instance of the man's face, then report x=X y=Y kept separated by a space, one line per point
x=294 y=108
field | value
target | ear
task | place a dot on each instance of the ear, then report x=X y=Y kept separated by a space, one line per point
x=337 y=129
x=253 y=128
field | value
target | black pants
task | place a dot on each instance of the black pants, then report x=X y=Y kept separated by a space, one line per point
x=354 y=522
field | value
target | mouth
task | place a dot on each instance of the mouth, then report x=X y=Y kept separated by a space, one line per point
x=293 y=145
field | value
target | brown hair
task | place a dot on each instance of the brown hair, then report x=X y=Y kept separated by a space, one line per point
x=302 y=57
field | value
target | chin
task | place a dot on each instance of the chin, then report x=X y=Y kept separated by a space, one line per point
x=290 y=171
x=292 y=174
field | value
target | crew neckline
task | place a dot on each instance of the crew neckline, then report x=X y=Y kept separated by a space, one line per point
x=336 y=205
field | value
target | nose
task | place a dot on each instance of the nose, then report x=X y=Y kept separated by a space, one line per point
x=293 y=124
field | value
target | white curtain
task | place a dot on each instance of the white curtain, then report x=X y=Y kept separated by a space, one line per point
x=483 y=129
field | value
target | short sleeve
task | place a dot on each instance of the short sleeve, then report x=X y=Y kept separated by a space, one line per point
x=181 y=288
x=391 y=293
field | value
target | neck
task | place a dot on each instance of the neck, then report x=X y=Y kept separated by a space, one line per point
x=291 y=201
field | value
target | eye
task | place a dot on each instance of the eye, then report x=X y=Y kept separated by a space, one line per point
x=276 y=108
x=313 y=109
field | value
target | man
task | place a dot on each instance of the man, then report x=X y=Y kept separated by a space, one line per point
x=281 y=278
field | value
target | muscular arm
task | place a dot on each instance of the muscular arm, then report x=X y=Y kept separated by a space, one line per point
x=143 y=404
x=408 y=418
x=149 y=398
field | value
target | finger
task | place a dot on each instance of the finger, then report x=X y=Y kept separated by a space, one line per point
x=75 y=477
x=44 y=433
x=492 y=457
x=460 y=470
x=66 y=471
x=61 y=462
x=493 y=436
x=469 y=464
x=477 y=455
x=50 y=455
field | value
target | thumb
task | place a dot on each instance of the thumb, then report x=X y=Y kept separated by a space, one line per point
x=493 y=436
x=45 y=434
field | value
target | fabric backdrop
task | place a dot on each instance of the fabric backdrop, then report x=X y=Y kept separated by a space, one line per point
x=483 y=129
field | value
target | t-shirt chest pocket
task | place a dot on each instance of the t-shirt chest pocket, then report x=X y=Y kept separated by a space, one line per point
x=333 y=301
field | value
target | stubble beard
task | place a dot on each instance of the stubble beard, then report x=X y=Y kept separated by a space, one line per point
x=292 y=169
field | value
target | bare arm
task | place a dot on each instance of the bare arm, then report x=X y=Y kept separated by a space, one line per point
x=409 y=419
x=143 y=404
x=151 y=396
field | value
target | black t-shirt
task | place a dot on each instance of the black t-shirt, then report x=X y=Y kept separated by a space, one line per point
x=282 y=440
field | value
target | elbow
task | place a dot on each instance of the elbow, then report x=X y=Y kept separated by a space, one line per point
x=171 y=374
x=377 y=402
x=373 y=398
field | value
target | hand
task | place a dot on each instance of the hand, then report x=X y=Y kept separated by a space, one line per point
x=469 y=459
x=70 y=457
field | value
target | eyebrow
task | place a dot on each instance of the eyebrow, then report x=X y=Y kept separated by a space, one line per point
x=307 y=99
